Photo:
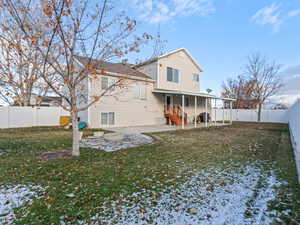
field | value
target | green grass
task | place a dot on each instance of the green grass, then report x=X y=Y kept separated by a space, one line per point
x=97 y=176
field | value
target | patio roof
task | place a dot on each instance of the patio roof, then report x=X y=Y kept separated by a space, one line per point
x=198 y=94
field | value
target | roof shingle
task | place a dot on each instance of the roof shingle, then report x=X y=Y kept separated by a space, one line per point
x=119 y=68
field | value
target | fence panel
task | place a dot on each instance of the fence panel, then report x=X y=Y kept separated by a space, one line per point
x=47 y=116
x=294 y=126
x=14 y=116
x=21 y=117
x=4 y=117
x=245 y=115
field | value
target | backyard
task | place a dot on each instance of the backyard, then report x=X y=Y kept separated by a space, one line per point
x=242 y=174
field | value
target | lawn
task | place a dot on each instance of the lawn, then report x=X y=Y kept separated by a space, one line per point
x=243 y=174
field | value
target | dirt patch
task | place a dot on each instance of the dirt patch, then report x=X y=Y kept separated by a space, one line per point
x=55 y=155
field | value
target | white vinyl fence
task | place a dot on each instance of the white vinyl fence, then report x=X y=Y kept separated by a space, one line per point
x=267 y=116
x=294 y=125
x=14 y=116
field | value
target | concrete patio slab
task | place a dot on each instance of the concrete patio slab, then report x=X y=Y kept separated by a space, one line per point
x=158 y=128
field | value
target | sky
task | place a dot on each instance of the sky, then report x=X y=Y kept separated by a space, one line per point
x=220 y=34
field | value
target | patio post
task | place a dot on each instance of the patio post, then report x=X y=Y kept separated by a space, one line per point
x=182 y=116
x=206 y=112
x=215 y=112
x=230 y=112
x=223 y=111
x=195 y=122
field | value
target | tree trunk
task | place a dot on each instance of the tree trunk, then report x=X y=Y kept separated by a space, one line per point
x=259 y=112
x=75 y=146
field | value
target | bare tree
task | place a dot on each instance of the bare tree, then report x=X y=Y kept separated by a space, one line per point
x=20 y=67
x=239 y=89
x=259 y=82
x=263 y=76
x=71 y=29
x=159 y=45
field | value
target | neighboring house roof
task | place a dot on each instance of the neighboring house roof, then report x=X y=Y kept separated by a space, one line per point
x=119 y=68
x=168 y=54
x=49 y=99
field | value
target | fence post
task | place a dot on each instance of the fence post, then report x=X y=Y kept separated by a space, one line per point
x=35 y=116
x=8 y=119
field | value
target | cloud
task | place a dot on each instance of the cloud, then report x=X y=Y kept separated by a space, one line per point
x=292 y=71
x=269 y=15
x=274 y=15
x=294 y=13
x=291 y=91
x=156 y=11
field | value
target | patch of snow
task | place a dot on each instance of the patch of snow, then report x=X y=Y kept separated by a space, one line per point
x=129 y=141
x=13 y=197
x=214 y=196
x=5 y=151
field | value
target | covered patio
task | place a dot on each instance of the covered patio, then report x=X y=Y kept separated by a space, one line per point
x=209 y=108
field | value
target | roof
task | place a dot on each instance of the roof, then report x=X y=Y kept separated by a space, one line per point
x=51 y=99
x=175 y=92
x=119 y=68
x=168 y=54
x=199 y=94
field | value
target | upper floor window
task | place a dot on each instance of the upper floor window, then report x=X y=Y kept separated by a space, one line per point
x=140 y=91
x=172 y=75
x=107 y=82
x=196 y=77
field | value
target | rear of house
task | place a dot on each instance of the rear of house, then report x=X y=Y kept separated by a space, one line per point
x=155 y=93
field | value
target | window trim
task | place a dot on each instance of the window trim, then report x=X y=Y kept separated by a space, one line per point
x=173 y=75
x=138 y=92
x=108 y=118
x=110 y=81
x=102 y=82
x=196 y=75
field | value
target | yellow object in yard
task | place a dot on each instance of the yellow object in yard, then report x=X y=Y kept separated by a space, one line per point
x=64 y=120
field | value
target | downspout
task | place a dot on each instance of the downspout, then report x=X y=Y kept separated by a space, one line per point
x=157 y=75
x=88 y=97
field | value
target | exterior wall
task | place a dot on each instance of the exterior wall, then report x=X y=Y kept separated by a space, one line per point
x=186 y=68
x=83 y=99
x=151 y=70
x=128 y=110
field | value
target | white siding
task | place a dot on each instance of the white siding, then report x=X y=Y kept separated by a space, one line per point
x=129 y=110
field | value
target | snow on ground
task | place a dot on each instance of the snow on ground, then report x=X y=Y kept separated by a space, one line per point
x=129 y=141
x=13 y=197
x=235 y=196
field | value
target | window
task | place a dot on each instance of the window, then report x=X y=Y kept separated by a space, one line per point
x=107 y=82
x=140 y=91
x=196 y=77
x=186 y=101
x=172 y=75
x=107 y=118
x=104 y=83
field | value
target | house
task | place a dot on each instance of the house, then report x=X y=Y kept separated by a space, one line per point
x=164 y=90
x=37 y=100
